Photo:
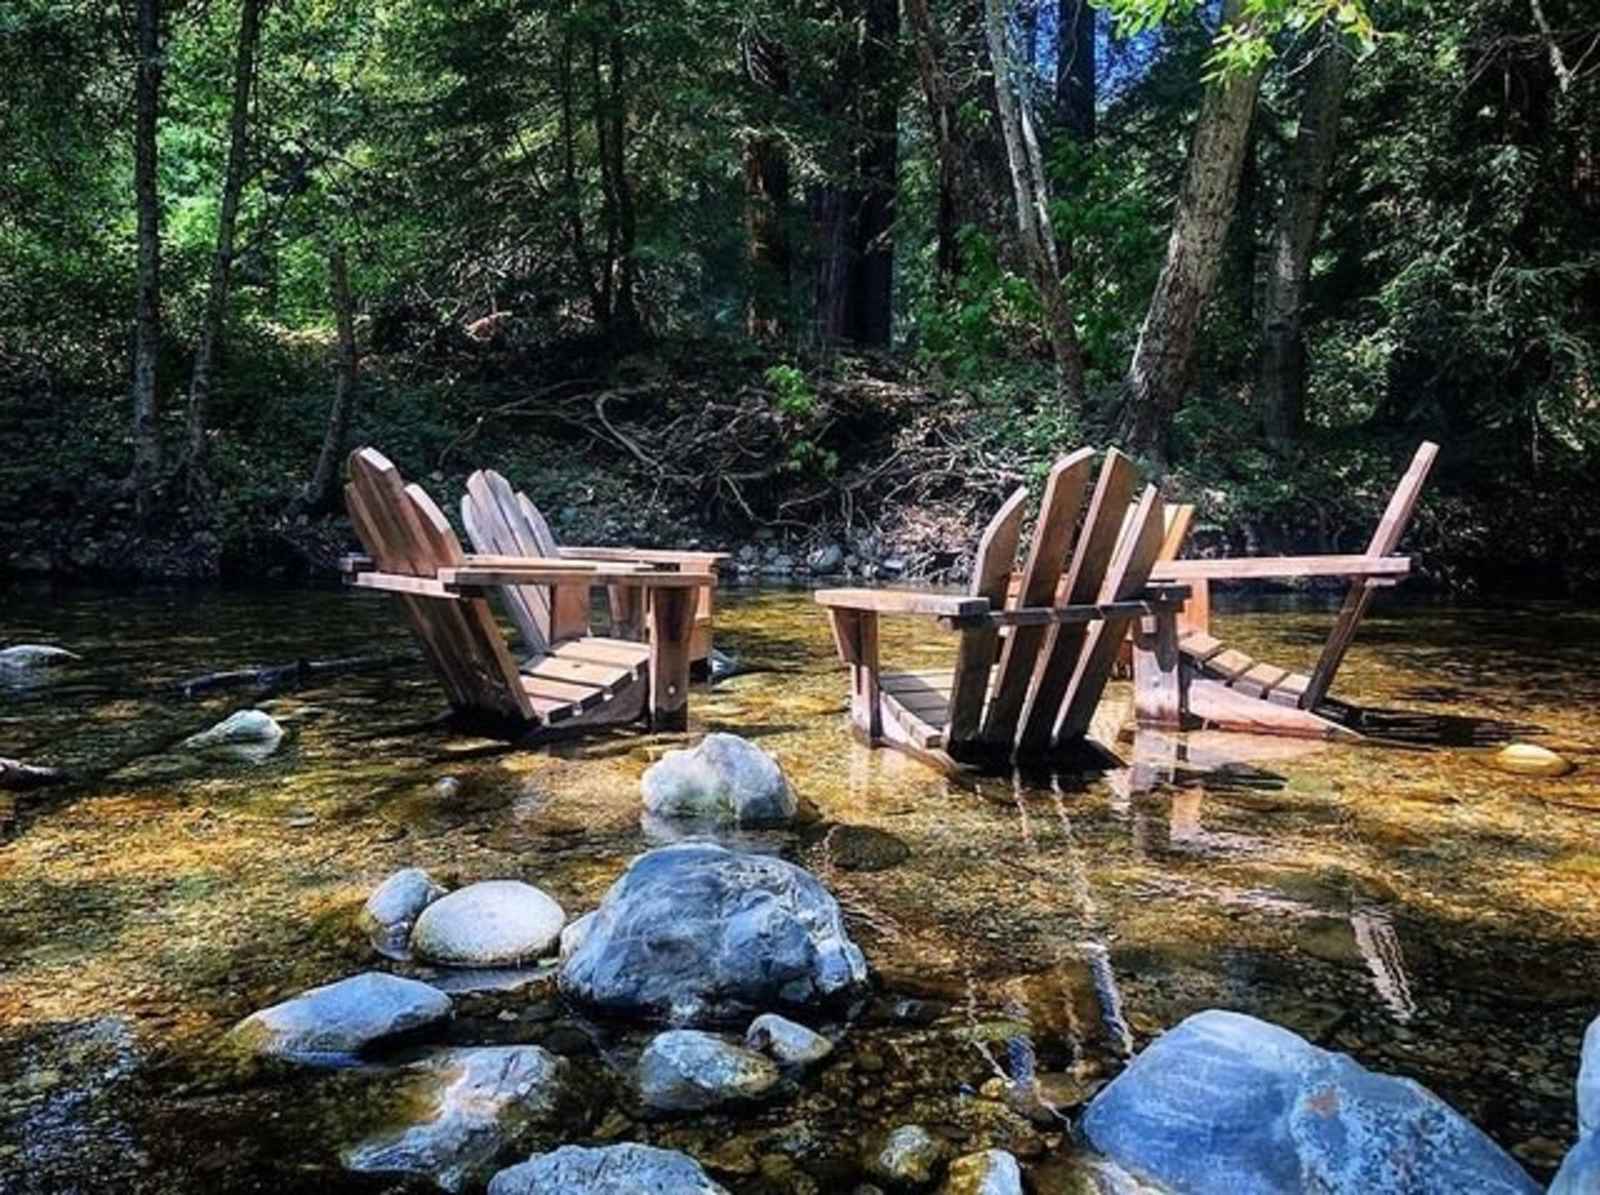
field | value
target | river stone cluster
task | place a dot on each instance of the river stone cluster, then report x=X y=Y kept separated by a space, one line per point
x=723 y=779
x=1580 y=1172
x=1225 y=1104
x=695 y=933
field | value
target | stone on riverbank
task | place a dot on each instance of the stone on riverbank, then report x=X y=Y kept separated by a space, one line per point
x=684 y=1070
x=610 y=1170
x=394 y=907
x=696 y=933
x=1530 y=759
x=1580 y=1171
x=478 y=1101
x=724 y=778
x=1225 y=1104
x=789 y=1043
x=496 y=923
x=244 y=727
x=35 y=655
x=992 y=1172
x=339 y=1020
x=907 y=1157
x=1589 y=1081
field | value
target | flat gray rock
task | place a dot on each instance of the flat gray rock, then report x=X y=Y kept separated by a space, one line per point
x=497 y=923
x=991 y=1172
x=393 y=908
x=695 y=933
x=340 y=1020
x=1225 y=1104
x=474 y=1103
x=684 y=1070
x=724 y=778
x=611 y=1170
x=36 y=655
x=789 y=1043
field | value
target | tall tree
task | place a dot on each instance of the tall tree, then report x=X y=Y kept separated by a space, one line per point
x=1031 y=190
x=321 y=491
x=1282 y=383
x=147 y=313
x=1076 y=76
x=939 y=95
x=766 y=190
x=227 y=218
x=1163 y=359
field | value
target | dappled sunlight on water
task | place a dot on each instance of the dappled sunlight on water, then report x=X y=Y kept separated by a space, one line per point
x=1406 y=903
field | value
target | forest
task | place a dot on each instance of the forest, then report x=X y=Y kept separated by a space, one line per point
x=840 y=271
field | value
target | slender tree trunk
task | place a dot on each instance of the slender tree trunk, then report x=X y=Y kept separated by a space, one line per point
x=625 y=312
x=936 y=91
x=766 y=195
x=1032 y=194
x=321 y=491
x=1164 y=357
x=608 y=188
x=571 y=197
x=879 y=159
x=147 y=335
x=1075 y=69
x=222 y=261
x=1305 y=190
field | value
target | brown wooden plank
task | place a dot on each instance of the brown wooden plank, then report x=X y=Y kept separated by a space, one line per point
x=1064 y=645
x=1047 y=558
x=393 y=583
x=1290 y=689
x=1260 y=680
x=671 y=624
x=1246 y=568
x=1228 y=665
x=552 y=688
x=856 y=634
x=474 y=572
x=1222 y=708
x=609 y=677
x=975 y=653
x=900 y=601
x=1128 y=574
x=1177 y=520
x=493 y=532
x=1199 y=646
x=896 y=682
x=1157 y=671
x=913 y=726
x=596 y=649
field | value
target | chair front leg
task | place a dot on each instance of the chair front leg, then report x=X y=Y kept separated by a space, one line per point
x=1158 y=688
x=855 y=632
x=671 y=616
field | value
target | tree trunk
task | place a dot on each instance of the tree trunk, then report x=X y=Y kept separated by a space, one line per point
x=222 y=262
x=625 y=311
x=147 y=335
x=1305 y=190
x=1075 y=69
x=1164 y=357
x=766 y=195
x=942 y=119
x=321 y=491
x=879 y=159
x=572 y=199
x=1032 y=195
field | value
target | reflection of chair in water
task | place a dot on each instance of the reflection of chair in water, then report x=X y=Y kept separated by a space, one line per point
x=1379 y=945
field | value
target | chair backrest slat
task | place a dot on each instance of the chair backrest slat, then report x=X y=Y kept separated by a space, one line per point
x=991 y=569
x=1097 y=542
x=498 y=526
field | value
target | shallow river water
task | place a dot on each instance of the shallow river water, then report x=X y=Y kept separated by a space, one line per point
x=1404 y=902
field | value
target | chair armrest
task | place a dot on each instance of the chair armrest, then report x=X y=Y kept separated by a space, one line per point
x=1253 y=567
x=699 y=562
x=482 y=571
x=903 y=601
x=356 y=562
x=1151 y=601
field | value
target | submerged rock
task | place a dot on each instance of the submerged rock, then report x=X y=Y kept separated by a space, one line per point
x=864 y=848
x=826 y=559
x=1225 y=1104
x=908 y=1157
x=36 y=655
x=992 y=1172
x=1589 y=1081
x=492 y=924
x=477 y=1102
x=786 y=1041
x=684 y=1070
x=724 y=778
x=246 y=726
x=611 y=1170
x=393 y=908
x=339 y=1020
x=1580 y=1171
x=1530 y=759
x=694 y=933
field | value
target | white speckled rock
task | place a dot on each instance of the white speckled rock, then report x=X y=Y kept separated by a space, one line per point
x=786 y=1041
x=627 y=1169
x=908 y=1157
x=341 y=1019
x=493 y=924
x=684 y=1070
x=724 y=778
x=245 y=727
x=992 y=1172
x=475 y=1103
x=393 y=908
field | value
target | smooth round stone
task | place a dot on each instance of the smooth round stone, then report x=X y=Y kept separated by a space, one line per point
x=908 y=1157
x=1530 y=759
x=246 y=726
x=394 y=907
x=723 y=778
x=992 y=1172
x=496 y=923
x=684 y=1070
x=341 y=1019
x=627 y=1169
x=790 y=1043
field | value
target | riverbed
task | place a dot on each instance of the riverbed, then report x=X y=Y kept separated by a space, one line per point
x=1401 y=900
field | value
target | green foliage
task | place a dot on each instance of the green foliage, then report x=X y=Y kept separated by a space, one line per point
x=797 y=402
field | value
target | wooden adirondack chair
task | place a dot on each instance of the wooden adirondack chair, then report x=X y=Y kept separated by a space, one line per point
x=575 y=682
x=1030 y=669
x=502 y=521
x=1229 y=689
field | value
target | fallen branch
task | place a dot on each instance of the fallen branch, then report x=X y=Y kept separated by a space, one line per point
x=279 y=676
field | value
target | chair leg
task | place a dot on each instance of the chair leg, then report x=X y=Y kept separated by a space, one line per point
x=671 y=613
x=855 y=632
x=1158 y=679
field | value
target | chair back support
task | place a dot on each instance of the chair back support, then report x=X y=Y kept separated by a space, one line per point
x=406 y=534
x=991 y=570
x=498 y=523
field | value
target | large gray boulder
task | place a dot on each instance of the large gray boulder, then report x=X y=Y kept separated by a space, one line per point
x=696 y=933
x=723 y=779
x=610 y=1170
x=1580 y=1171
x=473 y=1103
x=394 y=907
x=339 y=1020
x=1589 y=1081
x=1225 y=1104
x=496 y=923
x=684 y=1070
